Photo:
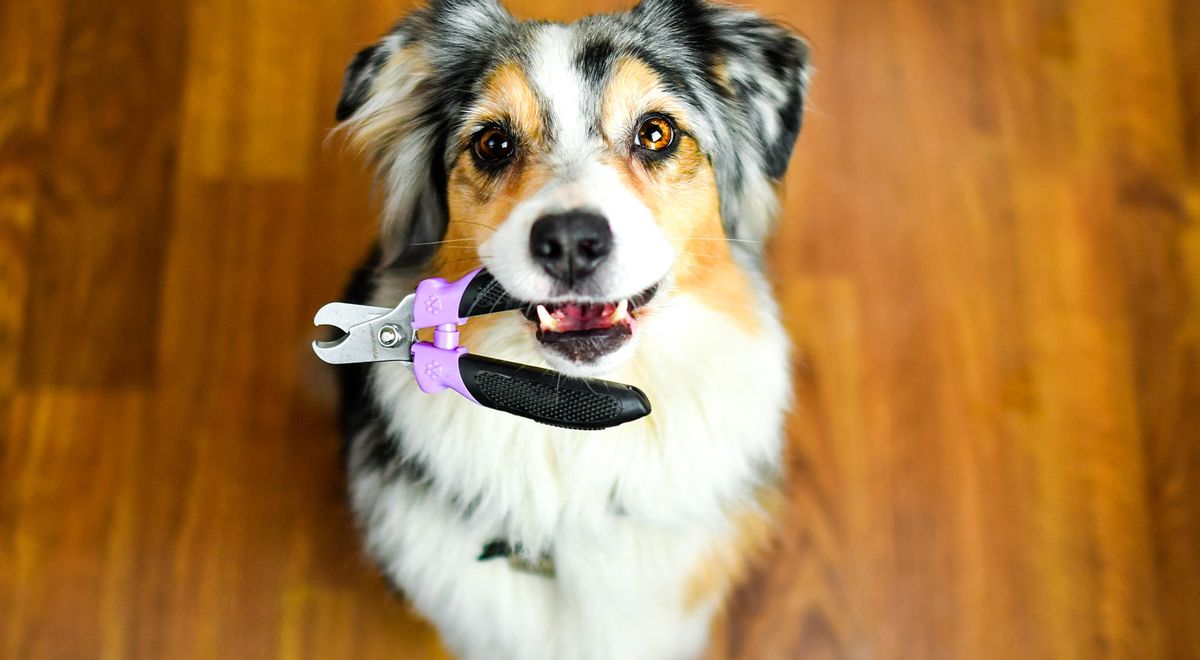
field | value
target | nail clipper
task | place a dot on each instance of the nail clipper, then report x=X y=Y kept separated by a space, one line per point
x=380 y=334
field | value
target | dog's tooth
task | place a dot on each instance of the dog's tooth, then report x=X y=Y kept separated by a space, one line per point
x=621 y=311
x=548 y=321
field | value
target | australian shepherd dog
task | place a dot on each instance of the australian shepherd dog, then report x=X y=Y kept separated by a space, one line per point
x=620 y=174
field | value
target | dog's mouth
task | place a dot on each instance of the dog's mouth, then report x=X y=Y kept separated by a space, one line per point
x=583 y=332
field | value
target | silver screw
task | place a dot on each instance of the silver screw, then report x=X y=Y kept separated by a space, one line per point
x=389 y=336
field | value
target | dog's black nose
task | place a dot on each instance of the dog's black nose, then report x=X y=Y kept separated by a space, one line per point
x=570 y=246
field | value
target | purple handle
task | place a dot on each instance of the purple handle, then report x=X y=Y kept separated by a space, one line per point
x=437 y=369
x=438 y=301
x=436 y=305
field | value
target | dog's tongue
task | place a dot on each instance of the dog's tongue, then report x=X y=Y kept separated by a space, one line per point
x=572 y=317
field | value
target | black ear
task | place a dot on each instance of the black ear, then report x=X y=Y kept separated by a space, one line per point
x=356 y=84
x=764 y=67
x=771 y=84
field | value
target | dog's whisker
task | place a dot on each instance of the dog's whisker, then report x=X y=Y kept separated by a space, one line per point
x=700 y=255
x=448 y=240
x=475 y=224
x=722 y=238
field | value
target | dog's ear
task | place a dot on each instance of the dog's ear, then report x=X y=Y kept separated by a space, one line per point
x=750 y=75
x=399 y=99
x=758 y=64
x=356 y=84
x=465 y=16
x=765 y=67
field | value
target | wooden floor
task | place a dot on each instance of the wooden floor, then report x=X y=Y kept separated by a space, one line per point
x=990 y=267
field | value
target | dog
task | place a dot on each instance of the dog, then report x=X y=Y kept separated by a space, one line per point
x=620 y=174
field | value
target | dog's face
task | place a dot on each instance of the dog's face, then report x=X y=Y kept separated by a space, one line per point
x=596 y=169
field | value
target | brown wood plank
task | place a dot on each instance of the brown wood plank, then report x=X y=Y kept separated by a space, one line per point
x=1169 y=362
x=989 y=267
x=249 y=108
x=67 y=577
x=105 y=166
x=26 y=90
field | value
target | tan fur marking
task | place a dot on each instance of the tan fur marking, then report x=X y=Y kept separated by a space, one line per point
x=633 y=91
x=720 y=74
x=507 y=95
x=705 y=267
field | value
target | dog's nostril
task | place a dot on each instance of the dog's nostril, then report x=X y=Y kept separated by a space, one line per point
x=592 y=248
x=547 y=249
x=570 y=246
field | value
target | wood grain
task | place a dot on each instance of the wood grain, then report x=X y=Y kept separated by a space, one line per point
x=989 y=268
x=105 y=164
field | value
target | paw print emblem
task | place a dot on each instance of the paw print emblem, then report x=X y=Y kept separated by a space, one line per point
x=433 y=305
x=434 y=370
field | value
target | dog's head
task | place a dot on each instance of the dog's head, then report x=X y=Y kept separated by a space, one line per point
x=591 y=167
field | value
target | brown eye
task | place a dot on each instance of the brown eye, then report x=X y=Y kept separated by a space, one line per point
x=656 y=134
x=493 y=145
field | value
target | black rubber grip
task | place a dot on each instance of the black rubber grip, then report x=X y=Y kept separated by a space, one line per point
x=549 y=397
x=484 y=295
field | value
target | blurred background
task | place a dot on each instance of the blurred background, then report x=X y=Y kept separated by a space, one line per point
x=989 y=264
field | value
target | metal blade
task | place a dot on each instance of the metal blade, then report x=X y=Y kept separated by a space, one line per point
x=344 y=316
x=373 y=334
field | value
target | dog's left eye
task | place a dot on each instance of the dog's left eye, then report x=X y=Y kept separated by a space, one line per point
x=493 y=146
x=655 y=136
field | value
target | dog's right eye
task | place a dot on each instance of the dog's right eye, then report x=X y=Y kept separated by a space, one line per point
x=493 y=146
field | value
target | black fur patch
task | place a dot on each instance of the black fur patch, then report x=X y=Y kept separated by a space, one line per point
x=595 y=60
x=356 y=84
x=779 y=153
